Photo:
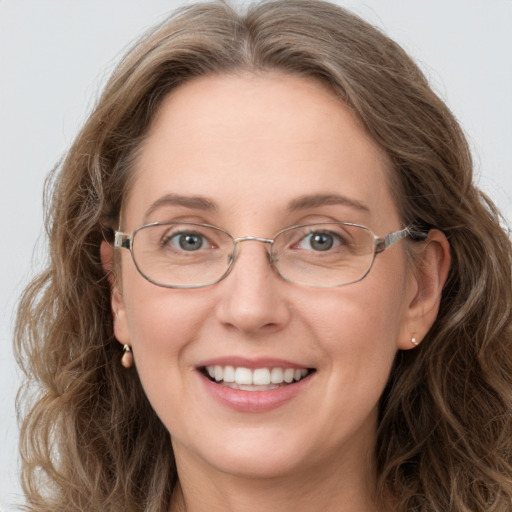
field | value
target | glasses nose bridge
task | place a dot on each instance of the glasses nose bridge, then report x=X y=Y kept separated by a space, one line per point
x=269 y=241
x=237 y=241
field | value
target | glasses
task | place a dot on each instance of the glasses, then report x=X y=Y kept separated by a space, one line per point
x=190 y=255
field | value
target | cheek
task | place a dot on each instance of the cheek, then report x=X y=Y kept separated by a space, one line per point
x=163 y=324
x=363 y=314
x=160 y=323
x=358 y=329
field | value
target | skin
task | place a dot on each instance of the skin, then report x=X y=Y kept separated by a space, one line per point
x=251 y=144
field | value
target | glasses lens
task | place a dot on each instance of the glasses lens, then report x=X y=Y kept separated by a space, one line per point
x=182 y=255
x=327 y=254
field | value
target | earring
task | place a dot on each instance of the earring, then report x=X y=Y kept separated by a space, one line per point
x=127 y=358
x=414 y=341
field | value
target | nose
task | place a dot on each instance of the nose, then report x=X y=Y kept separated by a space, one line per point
x=252 y=297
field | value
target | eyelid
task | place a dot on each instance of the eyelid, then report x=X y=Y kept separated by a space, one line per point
x=323 y=219
x=183 y=218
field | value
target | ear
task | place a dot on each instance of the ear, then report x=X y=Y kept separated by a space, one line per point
x=121 y=331
x=432 y=264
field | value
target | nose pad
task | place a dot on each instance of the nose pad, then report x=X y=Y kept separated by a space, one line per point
x=232 y=257
x=272 y=259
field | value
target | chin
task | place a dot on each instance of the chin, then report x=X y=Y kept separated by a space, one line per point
x=260 y=457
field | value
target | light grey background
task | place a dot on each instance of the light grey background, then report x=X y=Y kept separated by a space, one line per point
x=55 y=54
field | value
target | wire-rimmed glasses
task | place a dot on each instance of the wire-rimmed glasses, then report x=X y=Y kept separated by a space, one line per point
x=193 y=255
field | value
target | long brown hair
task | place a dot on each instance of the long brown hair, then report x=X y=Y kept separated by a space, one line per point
x=91 y=441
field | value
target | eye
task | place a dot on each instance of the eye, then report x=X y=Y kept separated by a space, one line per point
x=320 y=241
x=187 y=241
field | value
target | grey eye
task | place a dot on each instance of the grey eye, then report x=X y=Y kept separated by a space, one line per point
x=188 y=241
x=319 y=241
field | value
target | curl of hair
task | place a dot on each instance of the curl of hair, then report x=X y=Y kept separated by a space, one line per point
x=91 y=441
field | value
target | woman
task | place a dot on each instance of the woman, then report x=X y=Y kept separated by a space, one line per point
x=273 y=284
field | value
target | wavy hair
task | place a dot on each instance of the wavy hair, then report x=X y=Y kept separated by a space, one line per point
x=91 y=441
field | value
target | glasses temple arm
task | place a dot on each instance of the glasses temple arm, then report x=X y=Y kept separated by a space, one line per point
x=122 y=240
x=383 y=243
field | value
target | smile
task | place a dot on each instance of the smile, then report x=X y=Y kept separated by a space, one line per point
x=259 y=379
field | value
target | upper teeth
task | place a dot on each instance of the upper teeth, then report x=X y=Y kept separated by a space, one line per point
x=258 y=377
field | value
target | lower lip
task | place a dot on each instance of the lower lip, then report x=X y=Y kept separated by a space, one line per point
x=255 y=401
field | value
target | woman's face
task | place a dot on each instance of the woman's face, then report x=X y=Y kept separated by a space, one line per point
x=254 y=154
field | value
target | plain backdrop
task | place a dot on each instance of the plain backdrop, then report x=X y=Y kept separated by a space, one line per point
x=56 y=54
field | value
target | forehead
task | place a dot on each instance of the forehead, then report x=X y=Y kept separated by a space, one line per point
x=249 y=143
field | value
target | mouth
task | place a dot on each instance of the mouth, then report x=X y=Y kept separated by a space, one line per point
x=259 y=379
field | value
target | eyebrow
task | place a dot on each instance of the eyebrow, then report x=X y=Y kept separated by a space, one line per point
x=317 y=200
x=300 y=203
x=192 y=202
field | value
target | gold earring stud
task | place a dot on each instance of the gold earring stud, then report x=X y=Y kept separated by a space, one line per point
x=127 y=358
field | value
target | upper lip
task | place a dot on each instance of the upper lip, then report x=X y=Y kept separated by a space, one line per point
x=253 y=363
